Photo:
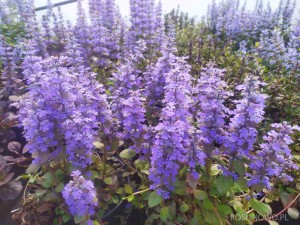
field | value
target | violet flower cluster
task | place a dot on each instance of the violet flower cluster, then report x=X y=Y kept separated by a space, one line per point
x=99 y=51
x=274 y=159
x=271 y=47
x=9 y=74
x=133 y=118
x=61 y=111
x=275 y=51
x=228 y=18
x=155 y=76
x=210 y=110
x=127 y=100
x=249 y=112
x=80 y=196
x=173 y=139
x=145 y=26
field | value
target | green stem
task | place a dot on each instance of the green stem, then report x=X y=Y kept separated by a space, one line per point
x=104 y=166
x=127 y=164
x=246 y=203
x=136 y=193
x=208 y=164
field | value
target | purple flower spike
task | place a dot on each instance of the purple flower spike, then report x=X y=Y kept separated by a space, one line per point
x=80 y=195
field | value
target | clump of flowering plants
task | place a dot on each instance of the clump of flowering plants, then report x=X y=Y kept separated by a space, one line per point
x=172 y=122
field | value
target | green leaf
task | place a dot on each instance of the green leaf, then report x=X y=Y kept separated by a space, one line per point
x=285 y=198
x=115 y=143
x=224 y=184
x=258 y=187
x=59 y=174
x=180 y=219
x=194 y=221
x=183 y=171
x=154 y=199
x=251 y=216
x=141 y=164
x=239 y=167
x=56 y=222
x=172 y=208
x=127 y=154
x=32 y=179
x=130 y=198
x=198 y=214
x=52 y=196
x=207 y=204
x=292 y=190
x=151 y=218
x=108 y=180
x=58 y=211
x=294 y=213
x=273 y=222
x=79 y=219
x=115 y=199
x=14 y=98
x=128 y=189
x=241 y=213
x=180 y=187
x=120 y=191
x=164 y=214
x=235 y=204
x=214 y=170
x=261 y=208
x=95 y=174
x=145 y=171
x=191 y=181
x=224 y=210
x=211 y=218
x=98 y=145
x=59 y=187
x=184 y=207
x=241 y=184
x=49 y=180
x=66 y=218
x=200 y=195
x=96 y=223
x=297 y=157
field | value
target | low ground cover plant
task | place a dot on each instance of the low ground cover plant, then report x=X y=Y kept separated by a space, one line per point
x=186 y=121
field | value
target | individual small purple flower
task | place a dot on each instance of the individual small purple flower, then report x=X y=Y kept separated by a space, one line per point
x=195 y=175
x=80 y=196
x=89 y=222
